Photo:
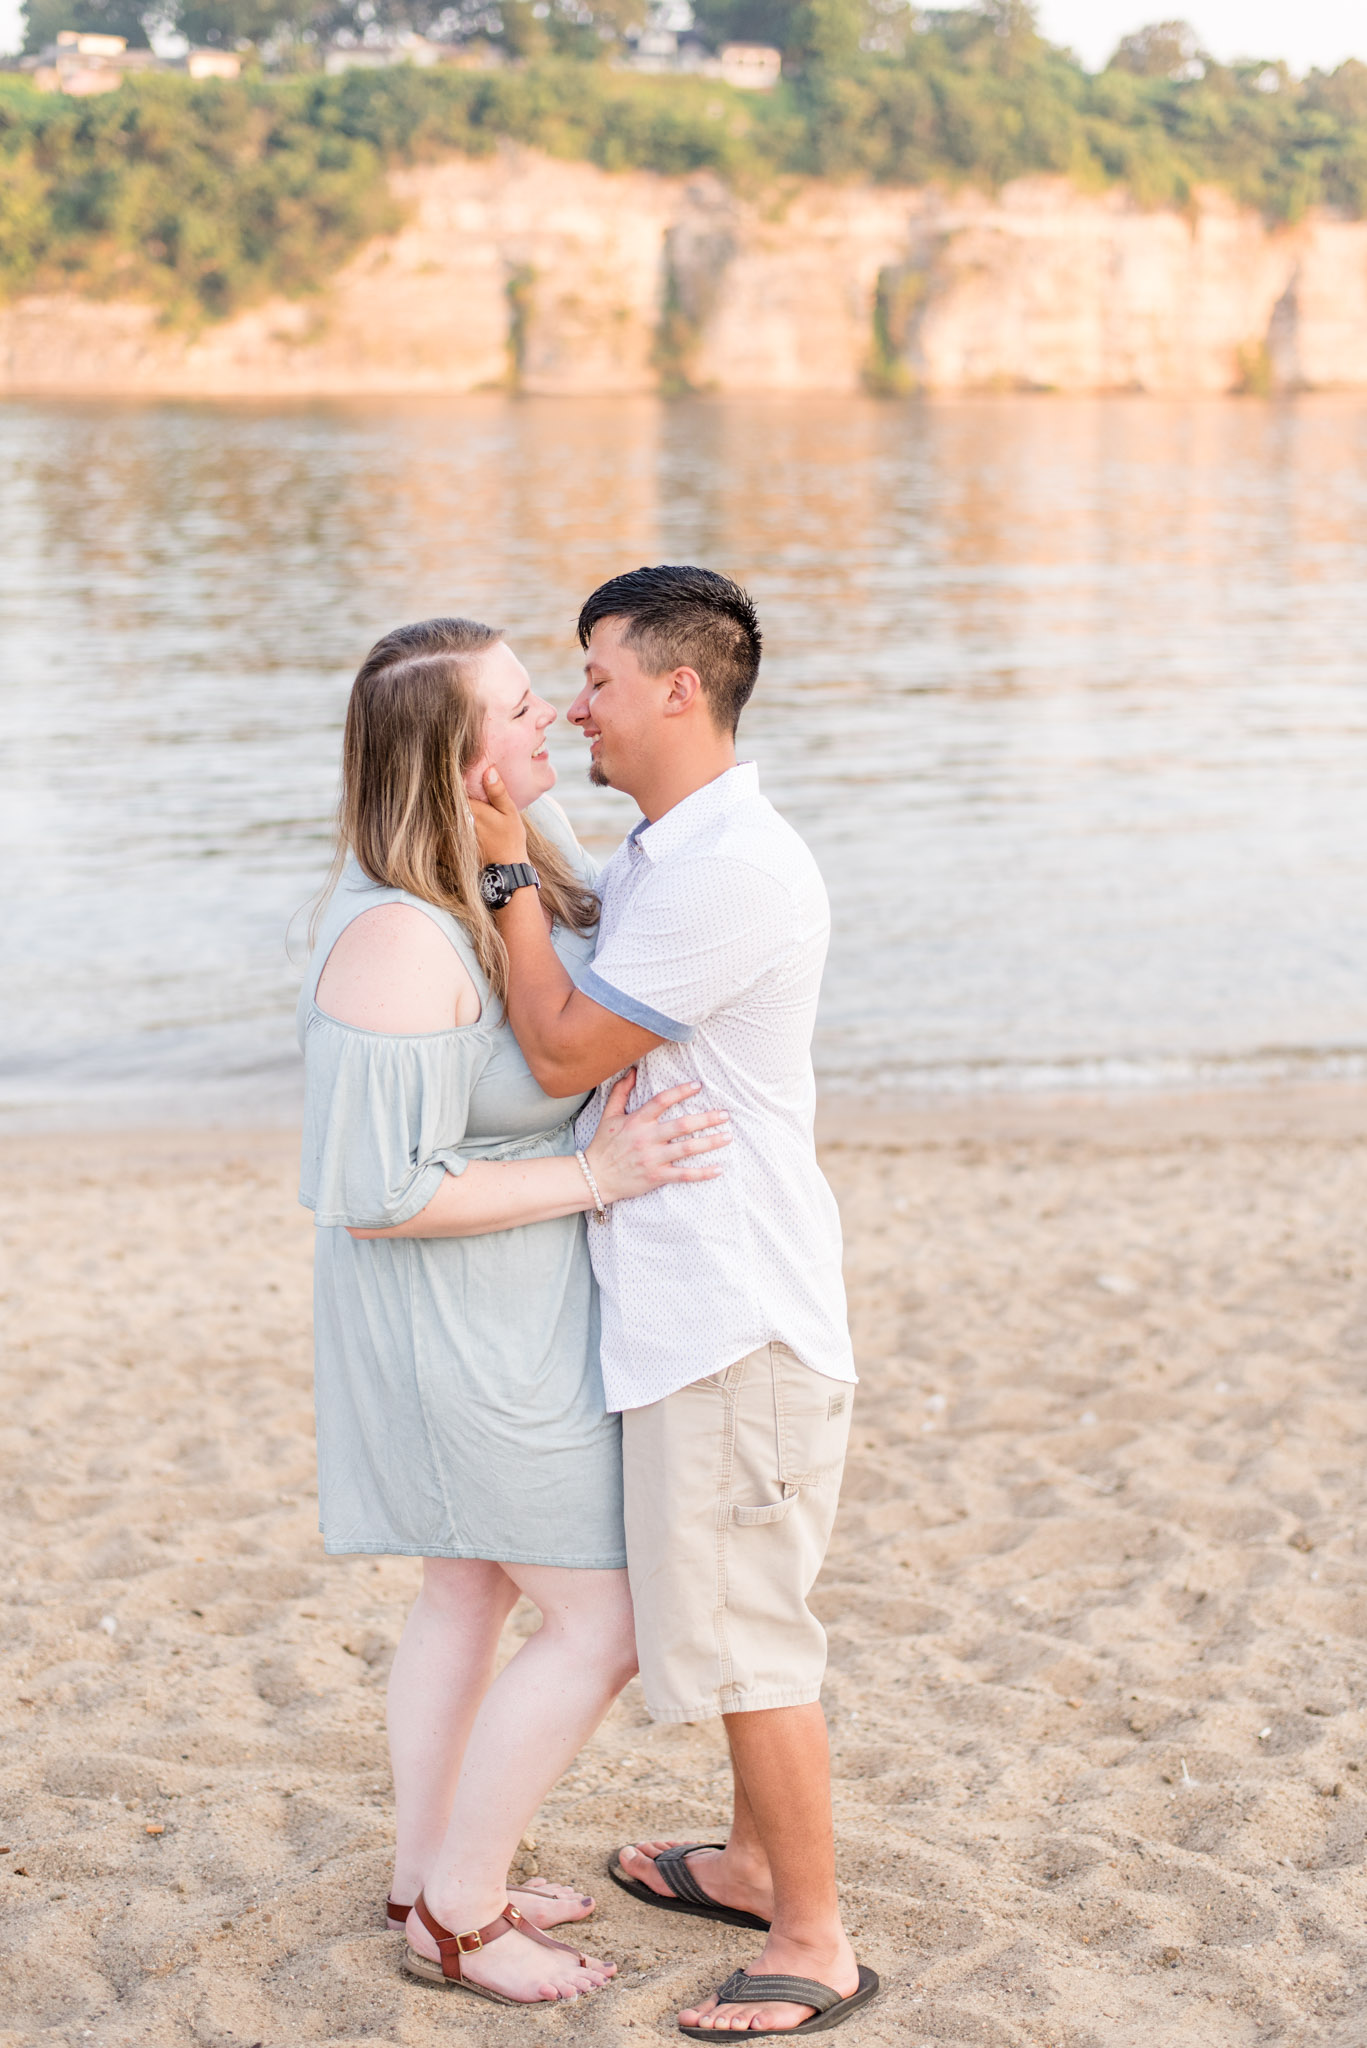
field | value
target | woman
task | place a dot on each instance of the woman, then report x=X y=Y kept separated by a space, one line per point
x=460 y=1410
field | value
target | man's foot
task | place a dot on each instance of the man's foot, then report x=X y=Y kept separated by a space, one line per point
x=721 y=1873
x=517 y=1967
x=835 y=1966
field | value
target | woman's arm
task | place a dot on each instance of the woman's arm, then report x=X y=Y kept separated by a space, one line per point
x=629 y=1156
x=394 y=971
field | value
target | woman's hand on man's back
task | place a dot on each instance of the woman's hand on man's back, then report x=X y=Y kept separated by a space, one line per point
x=631 y=1154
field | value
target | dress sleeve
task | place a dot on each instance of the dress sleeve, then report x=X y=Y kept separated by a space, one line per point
x=383 y=1118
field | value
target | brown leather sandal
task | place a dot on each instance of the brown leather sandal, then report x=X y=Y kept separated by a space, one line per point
x=396 y=1916
x=451 y=1947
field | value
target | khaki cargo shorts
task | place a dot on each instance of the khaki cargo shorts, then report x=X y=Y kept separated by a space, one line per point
x=731 y=1491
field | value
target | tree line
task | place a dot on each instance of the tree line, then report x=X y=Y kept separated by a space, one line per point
x=207 y=196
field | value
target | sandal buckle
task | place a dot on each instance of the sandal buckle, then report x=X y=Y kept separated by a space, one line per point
x=466 y=1944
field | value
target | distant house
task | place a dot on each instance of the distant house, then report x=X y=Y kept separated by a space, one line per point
x=81 y=63
x=213 y=63
x=380 y=52
x=753 y=67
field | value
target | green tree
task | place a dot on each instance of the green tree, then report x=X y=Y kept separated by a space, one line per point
x=1166 y=49
x=43 y=18
x=226 y=24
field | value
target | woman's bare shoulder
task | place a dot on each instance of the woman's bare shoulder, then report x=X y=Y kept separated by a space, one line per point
x=394 y=970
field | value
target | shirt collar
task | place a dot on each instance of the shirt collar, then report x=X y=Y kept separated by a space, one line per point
x=705 y=807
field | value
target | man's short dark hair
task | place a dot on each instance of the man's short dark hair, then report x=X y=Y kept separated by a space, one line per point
x=686 y=618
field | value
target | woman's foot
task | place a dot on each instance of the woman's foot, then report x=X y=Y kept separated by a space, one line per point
x=550 y=1905
x=545 y=1905
x=517 y=1967
x=723 y=1875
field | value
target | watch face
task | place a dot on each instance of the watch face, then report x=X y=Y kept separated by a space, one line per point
x=493 y=888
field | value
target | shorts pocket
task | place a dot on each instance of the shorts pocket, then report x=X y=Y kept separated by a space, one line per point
x=772 y=1511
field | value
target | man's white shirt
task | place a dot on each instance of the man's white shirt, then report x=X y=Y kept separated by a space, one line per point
x=713 y=933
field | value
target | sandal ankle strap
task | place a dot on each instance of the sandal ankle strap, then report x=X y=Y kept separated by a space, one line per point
x=451 y=1947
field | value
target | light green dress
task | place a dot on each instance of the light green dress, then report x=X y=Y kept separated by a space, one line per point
x=459 y=1400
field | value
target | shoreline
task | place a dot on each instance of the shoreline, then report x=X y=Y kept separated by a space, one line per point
x=1097 y=1604
x=897 y=1121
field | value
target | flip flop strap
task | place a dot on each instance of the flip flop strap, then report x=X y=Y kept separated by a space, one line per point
x=739 y=1989
x=672 y=1865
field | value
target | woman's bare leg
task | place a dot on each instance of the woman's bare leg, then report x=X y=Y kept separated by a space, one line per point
x=535 y=1718
x=442 y=1669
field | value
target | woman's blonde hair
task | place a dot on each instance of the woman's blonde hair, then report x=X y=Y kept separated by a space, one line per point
x=414 y=724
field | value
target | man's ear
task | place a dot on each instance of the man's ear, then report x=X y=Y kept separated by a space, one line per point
x=685 y=690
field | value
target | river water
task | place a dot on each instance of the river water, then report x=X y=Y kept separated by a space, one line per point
x=1068 y=696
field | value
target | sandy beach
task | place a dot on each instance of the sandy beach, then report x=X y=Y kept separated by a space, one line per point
x=1096 y=1604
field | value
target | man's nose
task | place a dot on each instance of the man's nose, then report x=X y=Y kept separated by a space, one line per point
x=579 y=710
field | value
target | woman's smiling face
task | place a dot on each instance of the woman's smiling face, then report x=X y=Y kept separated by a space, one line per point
x=516 y=722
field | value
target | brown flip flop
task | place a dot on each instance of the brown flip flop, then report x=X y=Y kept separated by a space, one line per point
x=451 y=1947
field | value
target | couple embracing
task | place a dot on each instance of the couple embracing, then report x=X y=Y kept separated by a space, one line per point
x=579 y=1315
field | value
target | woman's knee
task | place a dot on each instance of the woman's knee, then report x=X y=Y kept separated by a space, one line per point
x=592 y=1612
x=461 y=1587
x=603 y=1625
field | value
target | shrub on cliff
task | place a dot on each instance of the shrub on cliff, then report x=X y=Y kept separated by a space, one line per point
x=203 y=197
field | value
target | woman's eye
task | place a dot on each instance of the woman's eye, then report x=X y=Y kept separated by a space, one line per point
x=520 y=712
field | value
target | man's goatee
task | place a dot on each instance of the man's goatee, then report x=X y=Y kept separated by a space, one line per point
x=598 y=776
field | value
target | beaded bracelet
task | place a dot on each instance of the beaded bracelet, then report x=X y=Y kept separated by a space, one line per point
x=600 y=1214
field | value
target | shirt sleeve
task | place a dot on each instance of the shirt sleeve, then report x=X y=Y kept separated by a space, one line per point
x=699 y=935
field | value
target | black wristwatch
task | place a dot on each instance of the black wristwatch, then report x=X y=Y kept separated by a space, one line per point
x=499 y=885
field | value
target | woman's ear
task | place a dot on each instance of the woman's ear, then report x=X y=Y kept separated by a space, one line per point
x=473 y=778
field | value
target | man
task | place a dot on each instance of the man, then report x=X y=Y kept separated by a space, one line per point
x=725 y=1344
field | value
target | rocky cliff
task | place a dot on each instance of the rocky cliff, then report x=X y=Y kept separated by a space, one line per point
x=520 y=271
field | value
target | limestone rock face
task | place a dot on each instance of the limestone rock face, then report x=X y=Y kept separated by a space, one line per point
x=522 y=272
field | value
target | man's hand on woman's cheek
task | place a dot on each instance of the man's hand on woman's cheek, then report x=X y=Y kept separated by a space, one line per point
x=498 y=823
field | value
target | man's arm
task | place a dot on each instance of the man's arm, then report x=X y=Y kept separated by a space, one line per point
x=570 y=1042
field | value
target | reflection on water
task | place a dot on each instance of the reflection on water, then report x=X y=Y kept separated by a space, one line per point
x=1067 y=696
